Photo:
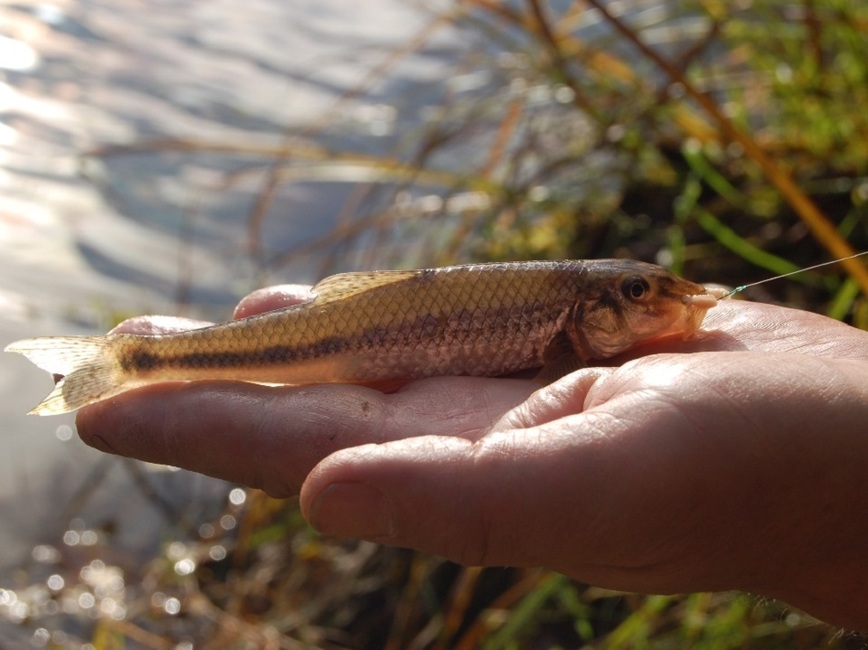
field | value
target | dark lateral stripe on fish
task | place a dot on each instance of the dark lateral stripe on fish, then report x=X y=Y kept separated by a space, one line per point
x=456 y=328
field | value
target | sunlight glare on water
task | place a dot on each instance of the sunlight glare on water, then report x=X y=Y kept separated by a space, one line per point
x=185 y=567
x=237 y=497
x=78 y=534
x=40 y=637
x=172 y=606
x=104 y=579
x=86 y=600
x=176 y=551
x=89 y=537
x=8 y=135
x=10 y=606
x=45 y=554
x=217 y=552
x=16 y=55
x=112 y=608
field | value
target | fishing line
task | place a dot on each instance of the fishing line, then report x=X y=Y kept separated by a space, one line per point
x=784 y=275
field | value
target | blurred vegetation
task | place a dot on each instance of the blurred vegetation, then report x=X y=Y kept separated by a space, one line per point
x=728 y=140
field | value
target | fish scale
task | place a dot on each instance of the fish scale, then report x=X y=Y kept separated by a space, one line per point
x=386 y=326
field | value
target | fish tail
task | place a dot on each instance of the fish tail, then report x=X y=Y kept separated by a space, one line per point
x=87 y=365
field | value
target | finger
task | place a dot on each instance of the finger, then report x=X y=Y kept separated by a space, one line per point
x=564 y=397
x=271 y=298
x=271 y=437
x=586 y=497
x=260 y=301
x=157 y=325
x=486 y=502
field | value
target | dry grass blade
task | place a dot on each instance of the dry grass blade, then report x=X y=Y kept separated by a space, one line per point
x=482 y=627
x=266 y=195
x=807 y=210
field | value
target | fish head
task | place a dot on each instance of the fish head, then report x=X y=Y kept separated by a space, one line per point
x=628 y=303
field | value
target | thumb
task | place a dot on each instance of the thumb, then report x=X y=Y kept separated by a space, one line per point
x=488 y=502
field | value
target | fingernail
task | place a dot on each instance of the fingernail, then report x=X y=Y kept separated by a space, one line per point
x=352 y=510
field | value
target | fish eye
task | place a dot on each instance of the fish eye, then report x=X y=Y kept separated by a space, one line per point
x=635 y=288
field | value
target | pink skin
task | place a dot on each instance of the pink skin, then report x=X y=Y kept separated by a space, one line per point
x=740 y=466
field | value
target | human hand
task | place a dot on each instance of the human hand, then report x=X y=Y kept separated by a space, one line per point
x=672 y=473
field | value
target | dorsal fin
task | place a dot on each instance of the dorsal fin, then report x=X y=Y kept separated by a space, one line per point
x=344 y=285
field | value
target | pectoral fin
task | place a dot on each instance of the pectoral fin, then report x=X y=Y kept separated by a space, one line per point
x=560 y=367
x=560 y=360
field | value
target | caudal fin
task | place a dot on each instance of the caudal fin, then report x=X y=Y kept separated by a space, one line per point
x=89 y=369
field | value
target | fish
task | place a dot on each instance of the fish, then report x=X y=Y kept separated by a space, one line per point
x=373 y=328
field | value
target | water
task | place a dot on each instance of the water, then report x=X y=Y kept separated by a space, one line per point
x=88 y=239
x=81 y=76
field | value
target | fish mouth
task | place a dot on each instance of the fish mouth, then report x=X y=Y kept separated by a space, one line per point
x=696 y=306
x=700 y=301
x=708 y=299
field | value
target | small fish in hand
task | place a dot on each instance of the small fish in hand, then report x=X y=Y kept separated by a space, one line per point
x=389 y=326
